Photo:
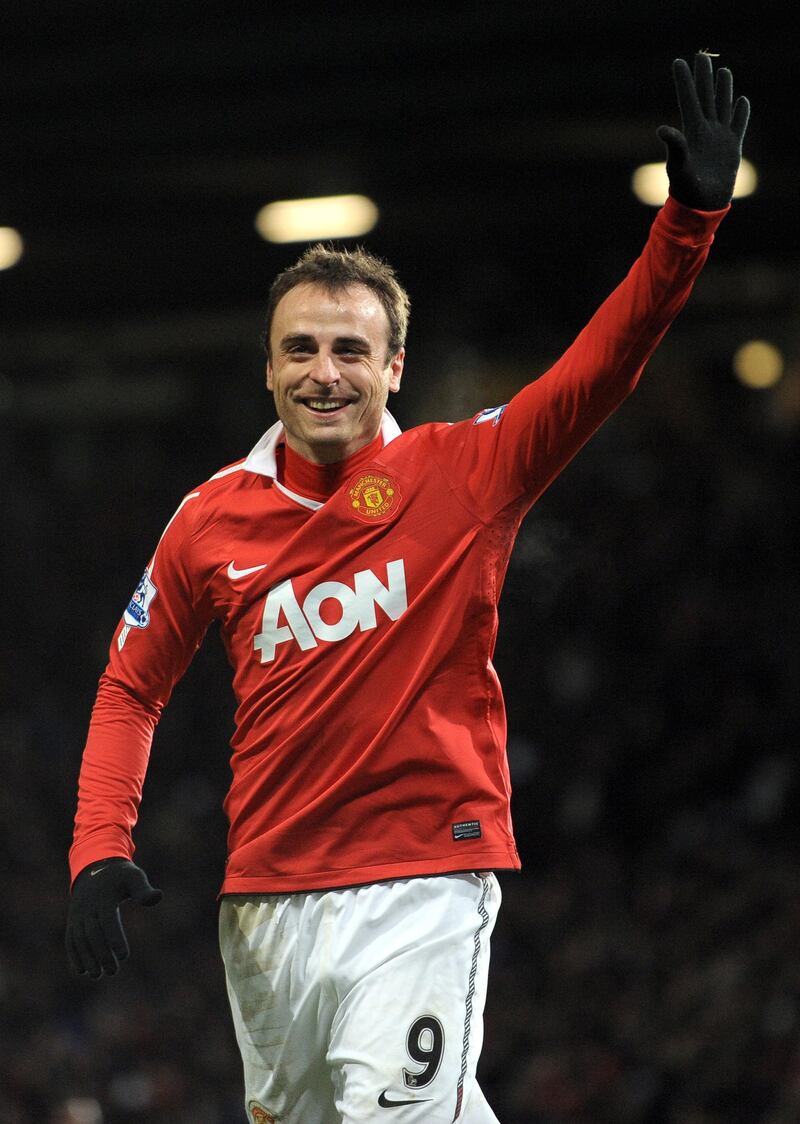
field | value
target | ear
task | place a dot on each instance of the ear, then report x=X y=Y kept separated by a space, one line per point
x=396 y=370
x=269 y=375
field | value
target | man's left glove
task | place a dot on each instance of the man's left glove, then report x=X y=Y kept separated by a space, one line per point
x=95 y=939
x=703 y=158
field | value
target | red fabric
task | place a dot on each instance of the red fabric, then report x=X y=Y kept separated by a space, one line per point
x=320 y=481
x=370 y=720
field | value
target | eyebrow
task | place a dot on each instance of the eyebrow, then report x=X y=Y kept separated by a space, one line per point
x=303 y=340
x=352 y=341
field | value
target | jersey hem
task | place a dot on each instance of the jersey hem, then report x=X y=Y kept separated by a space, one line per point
x=362 y=876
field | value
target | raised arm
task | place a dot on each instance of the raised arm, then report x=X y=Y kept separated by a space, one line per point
x=531 y=440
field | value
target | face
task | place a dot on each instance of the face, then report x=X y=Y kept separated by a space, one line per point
x=329 y=371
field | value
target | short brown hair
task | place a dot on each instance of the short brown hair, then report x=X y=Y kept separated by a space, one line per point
x=336 y=270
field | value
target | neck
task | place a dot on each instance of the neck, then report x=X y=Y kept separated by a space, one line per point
x=320 y=481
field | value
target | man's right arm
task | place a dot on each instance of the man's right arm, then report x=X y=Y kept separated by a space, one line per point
x=157 y=637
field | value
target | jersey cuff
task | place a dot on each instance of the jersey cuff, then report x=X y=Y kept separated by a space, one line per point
x=685 y=225
x=105 y=845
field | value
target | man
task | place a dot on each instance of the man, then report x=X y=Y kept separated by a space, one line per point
x=355 y=572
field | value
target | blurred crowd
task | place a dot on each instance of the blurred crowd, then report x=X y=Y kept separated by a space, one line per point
x=644 y=966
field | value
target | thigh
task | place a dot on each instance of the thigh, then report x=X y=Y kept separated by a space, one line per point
x=282 y=1005
x=413 y=959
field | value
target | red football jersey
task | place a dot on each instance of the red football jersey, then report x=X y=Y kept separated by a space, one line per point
x=370 y=727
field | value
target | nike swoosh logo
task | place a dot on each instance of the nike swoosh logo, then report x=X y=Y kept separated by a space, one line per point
x=384 y=1101
x=233 y=573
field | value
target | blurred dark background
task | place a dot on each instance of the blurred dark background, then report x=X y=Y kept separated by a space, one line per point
x=645 y=963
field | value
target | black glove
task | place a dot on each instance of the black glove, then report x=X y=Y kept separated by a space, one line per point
x=95 y=939
x=703 y=159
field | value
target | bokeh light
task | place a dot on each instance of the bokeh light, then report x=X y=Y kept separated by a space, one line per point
x=304 y=220
x=758 y=364
x=11 y=247
x=650 y=184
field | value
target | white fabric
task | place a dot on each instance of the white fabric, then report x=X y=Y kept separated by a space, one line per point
x=329 y=990
x=261 y=458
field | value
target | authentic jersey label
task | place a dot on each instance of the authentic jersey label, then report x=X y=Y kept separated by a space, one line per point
x=137 y=615
x=470 y=829
x=373 y=496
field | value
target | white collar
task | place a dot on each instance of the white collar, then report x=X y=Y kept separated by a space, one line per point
x=261 y=458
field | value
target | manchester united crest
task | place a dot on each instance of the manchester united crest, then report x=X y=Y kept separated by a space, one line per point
x=374 y=497
x=260 y=1114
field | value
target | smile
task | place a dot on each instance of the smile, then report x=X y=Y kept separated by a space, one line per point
x=325 y=405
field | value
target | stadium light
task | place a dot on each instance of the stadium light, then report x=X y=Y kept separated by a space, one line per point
x=758 y=364
x=305 y=220
x=11 y=247
x=650 y=185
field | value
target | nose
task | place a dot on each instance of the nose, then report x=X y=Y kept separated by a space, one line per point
x=324 y=370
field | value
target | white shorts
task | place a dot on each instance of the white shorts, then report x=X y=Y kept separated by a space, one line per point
x=351 y=1003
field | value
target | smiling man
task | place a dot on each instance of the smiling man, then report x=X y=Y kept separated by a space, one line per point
x=331 y=364
x=355 y=572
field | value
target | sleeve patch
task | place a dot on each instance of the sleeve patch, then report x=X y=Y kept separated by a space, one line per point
x=137 y=615
x=492 y=414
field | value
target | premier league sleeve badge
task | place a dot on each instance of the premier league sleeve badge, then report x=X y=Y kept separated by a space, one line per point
x=137 y=615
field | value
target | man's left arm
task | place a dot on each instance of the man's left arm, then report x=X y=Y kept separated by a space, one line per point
x=515 y=454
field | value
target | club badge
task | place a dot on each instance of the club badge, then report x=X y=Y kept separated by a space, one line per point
x=260 y=1114
x=373 y=497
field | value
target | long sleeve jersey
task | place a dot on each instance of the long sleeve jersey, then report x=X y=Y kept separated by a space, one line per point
x=370 y=728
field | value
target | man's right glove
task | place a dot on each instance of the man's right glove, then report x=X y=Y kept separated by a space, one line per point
x=95 y=939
